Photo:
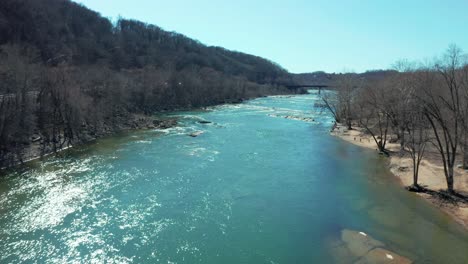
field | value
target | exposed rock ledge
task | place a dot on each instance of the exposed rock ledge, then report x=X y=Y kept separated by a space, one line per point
x=360 y=248
x=36 y=149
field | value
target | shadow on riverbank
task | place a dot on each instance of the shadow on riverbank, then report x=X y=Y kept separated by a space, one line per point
x=431 y=179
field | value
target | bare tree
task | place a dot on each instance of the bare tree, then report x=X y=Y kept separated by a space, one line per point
x=330 y=101
x=464 y=83
x=372 y=115
x=18 y=73
x=443 y=108
x=415 y=145
x=400 y=100
x=341 y=101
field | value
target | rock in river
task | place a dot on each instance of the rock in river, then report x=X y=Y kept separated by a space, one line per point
x=360 y=248
x=204 y=122
x=196 y=133
x=165 y=123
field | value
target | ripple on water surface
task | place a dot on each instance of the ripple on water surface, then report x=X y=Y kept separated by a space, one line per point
x=263 y=184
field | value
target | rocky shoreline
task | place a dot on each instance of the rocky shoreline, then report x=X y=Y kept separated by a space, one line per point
x=36 y=149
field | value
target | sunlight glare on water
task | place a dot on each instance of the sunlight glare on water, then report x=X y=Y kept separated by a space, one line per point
x=264 y=183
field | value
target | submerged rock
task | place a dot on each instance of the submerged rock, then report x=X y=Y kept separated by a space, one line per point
x=360 y=248
x=359 y=243
x=204 y=122
x=196 y=133
x=381 y=256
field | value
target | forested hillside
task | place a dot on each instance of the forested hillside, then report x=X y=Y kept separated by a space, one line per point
x=69 y=75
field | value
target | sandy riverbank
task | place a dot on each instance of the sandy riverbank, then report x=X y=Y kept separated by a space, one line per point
x=431 y=174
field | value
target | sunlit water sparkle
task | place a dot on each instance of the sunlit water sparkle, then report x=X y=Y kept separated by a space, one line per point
x=264 y=183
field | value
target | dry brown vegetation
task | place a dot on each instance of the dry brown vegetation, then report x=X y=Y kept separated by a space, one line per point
x=68 y=75
x=423 y=107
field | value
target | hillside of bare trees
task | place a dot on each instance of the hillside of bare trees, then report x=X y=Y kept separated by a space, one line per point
x=423 y=106
x=324 y=78
x=69 y=75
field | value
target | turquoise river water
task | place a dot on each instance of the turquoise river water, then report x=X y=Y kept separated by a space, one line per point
x=255 y=187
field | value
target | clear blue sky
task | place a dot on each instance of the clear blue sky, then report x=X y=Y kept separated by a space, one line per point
x=308 y=35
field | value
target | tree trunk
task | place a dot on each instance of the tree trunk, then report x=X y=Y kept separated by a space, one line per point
x=450 y=180
x=401 y=135
x=465 y=151
x=381 y=147
x=415 y=173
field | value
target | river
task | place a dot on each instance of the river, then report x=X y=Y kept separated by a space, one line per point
x=264 y=183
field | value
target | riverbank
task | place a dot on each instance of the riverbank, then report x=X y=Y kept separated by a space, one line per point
x=431 y=174
x=254 y=175
x=36 y=150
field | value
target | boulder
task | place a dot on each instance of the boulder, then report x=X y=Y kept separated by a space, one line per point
x=204 y=122
x=382 y=256
x=359 y=243
x=360 y=248
x=196 y=133
x=35 y=138
x=164 y=123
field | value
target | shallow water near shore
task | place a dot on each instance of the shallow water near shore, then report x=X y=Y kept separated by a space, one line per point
x=264 y=183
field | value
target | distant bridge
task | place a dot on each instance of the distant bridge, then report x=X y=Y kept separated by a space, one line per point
x=316 y=86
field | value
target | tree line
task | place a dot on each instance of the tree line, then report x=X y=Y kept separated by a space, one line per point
x=421 y=105
x=68 y=75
